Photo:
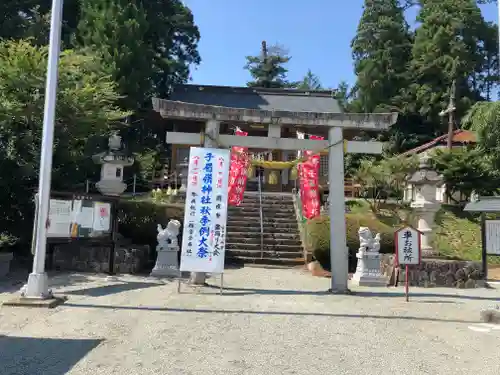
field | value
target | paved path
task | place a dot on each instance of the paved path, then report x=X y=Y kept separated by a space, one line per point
x=268 y=322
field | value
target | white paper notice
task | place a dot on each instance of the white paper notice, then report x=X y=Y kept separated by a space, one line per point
x=204 y=232
x=60 y=215
x=492 y=228
x=102 y=217
x=86 y=217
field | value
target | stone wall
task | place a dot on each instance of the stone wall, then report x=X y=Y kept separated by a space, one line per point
x=95 y=258
x=438 y=272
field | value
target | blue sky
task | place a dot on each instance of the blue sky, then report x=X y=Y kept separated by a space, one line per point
x=317 y=34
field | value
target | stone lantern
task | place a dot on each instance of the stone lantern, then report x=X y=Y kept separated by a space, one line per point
x=112 y=163
x=425 y=181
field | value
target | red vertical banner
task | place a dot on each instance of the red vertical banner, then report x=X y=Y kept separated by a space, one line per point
x=308 y=172
x=238 y=172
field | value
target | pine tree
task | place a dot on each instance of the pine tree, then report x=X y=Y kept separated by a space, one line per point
x=309 y=82
x=446 y=49
x=267 y=70
x=147 y=45
x=381 y=51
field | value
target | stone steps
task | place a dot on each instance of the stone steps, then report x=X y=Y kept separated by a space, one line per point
x=281 y=239
x=265 y=220
x=266 y=261
x=267 y=240
x=271 y=246
x=256 y=213
x=271 y=236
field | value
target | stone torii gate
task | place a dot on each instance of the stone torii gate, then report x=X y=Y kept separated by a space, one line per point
x=334 y=122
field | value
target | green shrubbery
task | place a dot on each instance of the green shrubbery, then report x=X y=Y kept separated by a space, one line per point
x=138 y=219
x=318 y=237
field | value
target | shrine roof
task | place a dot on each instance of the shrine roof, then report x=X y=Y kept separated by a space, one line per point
x=292 y=100
x=460 y=137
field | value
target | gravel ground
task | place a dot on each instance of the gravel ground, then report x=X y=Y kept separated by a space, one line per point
x=268 y=322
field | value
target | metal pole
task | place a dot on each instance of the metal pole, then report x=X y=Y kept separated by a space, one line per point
x=37 y=286
x=261 y=218
x=135 y=182
x=35 y=226
x=87 y=186
x=407 y=272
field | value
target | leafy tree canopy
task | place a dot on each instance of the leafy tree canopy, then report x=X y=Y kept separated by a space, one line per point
x=86 y=110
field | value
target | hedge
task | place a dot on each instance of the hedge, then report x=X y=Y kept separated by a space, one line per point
x=318 y=237
x=138 y=219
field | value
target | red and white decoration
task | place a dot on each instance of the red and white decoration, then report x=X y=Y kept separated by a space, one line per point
x=308 y=173
x=238 y=172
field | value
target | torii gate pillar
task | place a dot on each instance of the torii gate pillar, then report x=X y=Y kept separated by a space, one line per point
x=339 y=253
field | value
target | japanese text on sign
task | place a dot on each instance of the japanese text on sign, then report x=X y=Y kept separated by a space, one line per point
x=203 y=240
x=309 y=183
x=238 y=172
x=408 y=246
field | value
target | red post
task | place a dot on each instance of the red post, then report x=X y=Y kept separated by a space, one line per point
x=406 y=283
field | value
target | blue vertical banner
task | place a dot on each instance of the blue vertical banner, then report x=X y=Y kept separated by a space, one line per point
x=205 y=216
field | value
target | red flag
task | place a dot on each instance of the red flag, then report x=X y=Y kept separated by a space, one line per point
x=309 y=183
x=238 y=172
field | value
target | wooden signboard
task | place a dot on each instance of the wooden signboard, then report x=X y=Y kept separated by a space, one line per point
x=408 y=250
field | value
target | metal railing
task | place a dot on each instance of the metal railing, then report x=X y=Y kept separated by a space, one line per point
x=261 y=218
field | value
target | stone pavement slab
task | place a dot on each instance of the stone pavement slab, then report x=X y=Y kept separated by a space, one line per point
x=268 y=321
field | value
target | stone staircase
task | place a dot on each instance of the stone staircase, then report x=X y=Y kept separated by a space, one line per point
x=281 y=239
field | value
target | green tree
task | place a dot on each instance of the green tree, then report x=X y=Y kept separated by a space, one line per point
x=24 y=18
x=268 y=70
x=310 y=82
x=107 y=29
x=381 y=51
x=445 y=49
x=381 y=179
x=85 y=112
x=483 y=119
x=466 y=170
x=148 y=45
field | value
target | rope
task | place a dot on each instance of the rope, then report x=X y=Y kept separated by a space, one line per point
x=280 y=165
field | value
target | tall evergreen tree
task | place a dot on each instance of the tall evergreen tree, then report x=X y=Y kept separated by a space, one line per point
x=381 y=51
x=446 y=49
x=148 y=45
x=107 y=28
x=267 y=70
x=309 y=82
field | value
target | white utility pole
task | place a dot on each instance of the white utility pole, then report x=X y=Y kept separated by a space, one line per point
x=37 y=286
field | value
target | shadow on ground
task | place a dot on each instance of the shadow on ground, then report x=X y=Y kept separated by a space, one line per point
x=106 y=290
x=252 y=312
x=27 y=355
x=389 y=294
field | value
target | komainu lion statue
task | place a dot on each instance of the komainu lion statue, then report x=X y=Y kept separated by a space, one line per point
x=367 y=242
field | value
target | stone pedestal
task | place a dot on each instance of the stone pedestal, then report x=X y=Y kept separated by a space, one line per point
x=368 y=270
x=167 y=264
x=425 y=211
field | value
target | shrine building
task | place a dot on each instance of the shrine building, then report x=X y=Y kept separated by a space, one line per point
x=187 y=107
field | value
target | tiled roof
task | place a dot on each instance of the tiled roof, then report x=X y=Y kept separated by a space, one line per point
x=258 y=98
x=459 y=136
